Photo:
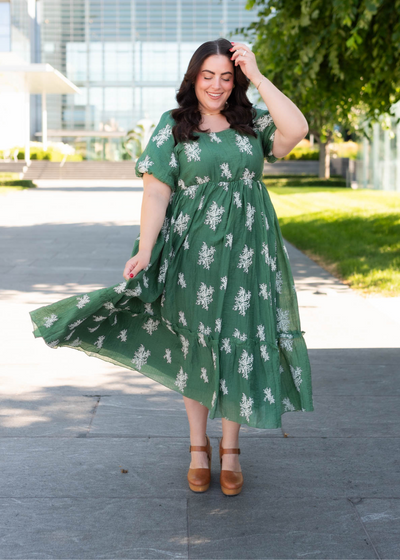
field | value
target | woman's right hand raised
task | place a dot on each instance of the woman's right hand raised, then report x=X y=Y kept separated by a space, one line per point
x=136 y=263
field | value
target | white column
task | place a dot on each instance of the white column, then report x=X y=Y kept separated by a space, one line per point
x=27 y=123
x=44 y=120
x=375 y=156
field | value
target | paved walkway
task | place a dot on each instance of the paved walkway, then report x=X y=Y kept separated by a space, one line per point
x=70 y=423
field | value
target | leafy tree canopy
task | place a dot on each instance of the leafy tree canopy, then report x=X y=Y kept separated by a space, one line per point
x=338 y=60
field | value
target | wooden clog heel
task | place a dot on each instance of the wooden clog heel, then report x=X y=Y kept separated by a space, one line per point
x=231 y=481
x=199 y=479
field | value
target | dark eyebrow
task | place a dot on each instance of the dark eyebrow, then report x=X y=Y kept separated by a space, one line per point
x=214 y=72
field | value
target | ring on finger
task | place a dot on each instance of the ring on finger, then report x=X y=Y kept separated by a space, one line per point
x=244 y=53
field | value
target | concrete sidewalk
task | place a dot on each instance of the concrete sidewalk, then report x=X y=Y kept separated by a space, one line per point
x=324 y=486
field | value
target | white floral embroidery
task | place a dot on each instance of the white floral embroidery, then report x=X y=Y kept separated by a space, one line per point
x=120 y=288
x=148 y=309
x=134 y=293
x=200 y=206
x=191 y=191
x=181 y=280
x=182 y=318
x=206 y=255
x=122 y=335
x=144 y=165
x=204 y=295
x=226 y=346
x=181 y=379
x=173 y=162
x=279 y=282
x=286 y=342
x=242 y=301
x=202 y=330
x=296 y=374
x=70 y=334
x=287 y=404
x=246 y=406
x=250 y=216
x=246 y=258
x=264 y=292
x=185 y=345
x=225 y=171
x=229 y=239
x=48 y=321
x=264 y=353
x=224 y=185
x=214 y=215
x=150 y=325
x=99 y=341
x=243 y=144
x=76 y=324
x=239 y=335
x=224 y=282
x=223 y=386
x=268 y=395
x=260 y=332
x=186 y=243
x=247 y=177
x=82 y=301
x=181 y=223
x=266 y=221
x=201 y=181
x=236 y=199
x=203 y=375
x=213 y=399
x=53 y=344
x=214 y=138
x=163 y=271
x=283 y=320
x=192 y=151
x=165 y=228
x=268 y=259
x=162 y=135
x=218 y=324
x=167 y=355
x=262 y=122
x=245 y=364
x=76 y=342
x=214 y=357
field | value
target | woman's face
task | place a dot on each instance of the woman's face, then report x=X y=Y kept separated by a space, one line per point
x=214 y=83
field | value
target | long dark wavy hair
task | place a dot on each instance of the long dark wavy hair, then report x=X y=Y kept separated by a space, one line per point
x=239 y=111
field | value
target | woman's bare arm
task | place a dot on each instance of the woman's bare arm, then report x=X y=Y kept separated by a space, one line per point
x=155 y=200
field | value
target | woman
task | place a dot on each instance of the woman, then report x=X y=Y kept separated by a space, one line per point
x=209 y=307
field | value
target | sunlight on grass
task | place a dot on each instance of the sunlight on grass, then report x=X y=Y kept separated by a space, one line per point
x=355 y=234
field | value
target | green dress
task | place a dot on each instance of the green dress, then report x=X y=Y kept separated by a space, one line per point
x=214 y=316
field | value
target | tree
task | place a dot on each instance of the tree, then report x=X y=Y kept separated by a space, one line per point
x=339 y=61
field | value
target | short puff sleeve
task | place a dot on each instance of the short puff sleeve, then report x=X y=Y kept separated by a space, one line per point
x=265 y=126
x=159 y=157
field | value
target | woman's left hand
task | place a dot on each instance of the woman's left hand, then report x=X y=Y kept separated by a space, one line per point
x=245 y=58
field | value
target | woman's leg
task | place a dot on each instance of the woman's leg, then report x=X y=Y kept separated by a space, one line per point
x=230 y=438
x=197 y=416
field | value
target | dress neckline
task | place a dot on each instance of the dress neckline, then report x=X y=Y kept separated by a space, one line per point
x=212 y=132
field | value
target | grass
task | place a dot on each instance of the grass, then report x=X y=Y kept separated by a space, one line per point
x=354 y=234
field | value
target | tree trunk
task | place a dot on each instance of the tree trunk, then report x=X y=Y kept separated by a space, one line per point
x=324 y=160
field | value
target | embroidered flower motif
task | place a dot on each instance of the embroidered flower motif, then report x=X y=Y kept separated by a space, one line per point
x=288 y=405
x=242 y=301
x=214 y=215
x=162 y=135
x=214 y=138
x=243 y=143
x=250 y=211
x=122 y=335
x=204 y=295
x=82 y=301
x=245 y=364
x=268 y=395
x=225 y=171
x=223 y=387
x=173 y=162
x=246 y=258
x=226 y=346
x=192 y=151
x=167 y=355
x=241 y=336
x=203 y=375
x=48 y=321
x=247 y=177
x=246 y=407
x=145 y=165
x=264 y=352
x=206 y=255
x=181 y=379
x=262 y=122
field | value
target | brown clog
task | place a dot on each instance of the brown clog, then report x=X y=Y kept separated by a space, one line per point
x=199 y=479
x=231 y=481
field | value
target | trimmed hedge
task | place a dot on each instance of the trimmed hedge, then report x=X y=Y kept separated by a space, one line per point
x=17 y=183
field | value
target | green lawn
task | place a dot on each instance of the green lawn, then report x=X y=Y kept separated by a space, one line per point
x=355 y=234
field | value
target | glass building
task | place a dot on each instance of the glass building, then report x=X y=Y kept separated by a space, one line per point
x=128 y=57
